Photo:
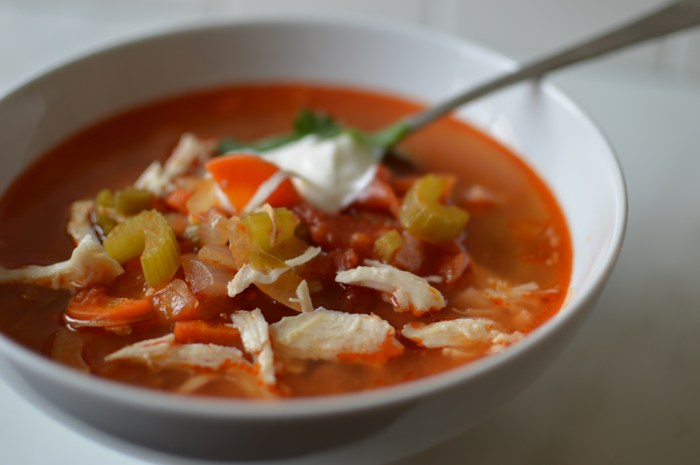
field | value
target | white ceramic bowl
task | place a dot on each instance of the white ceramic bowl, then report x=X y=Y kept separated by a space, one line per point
x=550 y=132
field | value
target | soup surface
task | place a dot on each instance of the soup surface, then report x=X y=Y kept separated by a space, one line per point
x=275 y=287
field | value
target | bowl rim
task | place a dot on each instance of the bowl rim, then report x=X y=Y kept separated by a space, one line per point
x=402 y=393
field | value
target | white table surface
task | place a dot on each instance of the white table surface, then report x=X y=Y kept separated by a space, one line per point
x=626 y=391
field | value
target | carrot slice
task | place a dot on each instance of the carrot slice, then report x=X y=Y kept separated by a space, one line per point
x=240 y=176
x=93 y=307
x=203 y=332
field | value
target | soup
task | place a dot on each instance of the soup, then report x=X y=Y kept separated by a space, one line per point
x=269 y=252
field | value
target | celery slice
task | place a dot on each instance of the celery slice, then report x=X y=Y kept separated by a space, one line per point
x=268 y=230
x=149 y=236
x=104 y=201
x=423 y=215
x=132 y=201
x=387 y=244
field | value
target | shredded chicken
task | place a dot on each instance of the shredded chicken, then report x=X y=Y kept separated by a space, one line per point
x=156 y=178
x=408 y=291
x=303 y=297
x=330 y=335
x=460 y=333
x=256 y=341
x=248 y=274
x=79 y=224
x=502 y=299
x=89 y=265
x=165 y=352
x=306 y=256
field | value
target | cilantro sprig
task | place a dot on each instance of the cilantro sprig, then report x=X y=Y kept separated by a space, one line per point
x=320 y=124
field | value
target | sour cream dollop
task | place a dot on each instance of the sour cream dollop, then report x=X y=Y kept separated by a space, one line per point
x=329 y=173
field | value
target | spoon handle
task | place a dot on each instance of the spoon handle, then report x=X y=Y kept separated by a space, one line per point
x=675 y=17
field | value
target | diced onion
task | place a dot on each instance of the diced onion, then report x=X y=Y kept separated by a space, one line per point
x=214 y=229
x=206 y=279
x=175 y=301
x=203 y=199
x=218 y=255
x=240 y=243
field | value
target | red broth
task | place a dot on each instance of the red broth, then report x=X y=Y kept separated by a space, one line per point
x=516 y=233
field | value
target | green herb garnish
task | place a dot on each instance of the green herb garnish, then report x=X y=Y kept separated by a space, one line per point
x=320 y=124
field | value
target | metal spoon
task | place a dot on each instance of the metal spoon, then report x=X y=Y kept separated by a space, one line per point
x=675 y=17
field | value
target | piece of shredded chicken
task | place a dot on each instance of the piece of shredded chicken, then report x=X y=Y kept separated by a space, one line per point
x=89 y=265
x=79 y=223
x=460 y=333
x=331 y=335
x=408 y=291
x=304 y=297
x=165 y=352
x=157 y=178
x=248 y=274
x=256 y=341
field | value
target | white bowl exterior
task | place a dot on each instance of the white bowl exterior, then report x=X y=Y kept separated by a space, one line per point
x=550 y=133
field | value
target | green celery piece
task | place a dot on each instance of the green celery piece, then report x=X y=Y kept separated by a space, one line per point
x=425 y=217
x=148 y=236
x=131 y=201
x=104 y=200
x=387 y=244
x=261 y=230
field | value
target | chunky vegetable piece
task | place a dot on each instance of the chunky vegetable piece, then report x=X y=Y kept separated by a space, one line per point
x=269 y=229
x=132 y=201
x=104 y=202
x=176 y=302
x=94 y=308
x=425 y=217
x=240 y=176
x=149 y=236
x=387 y=245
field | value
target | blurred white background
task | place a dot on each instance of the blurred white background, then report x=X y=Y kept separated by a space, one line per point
x=45 y=31
x=626 y=391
